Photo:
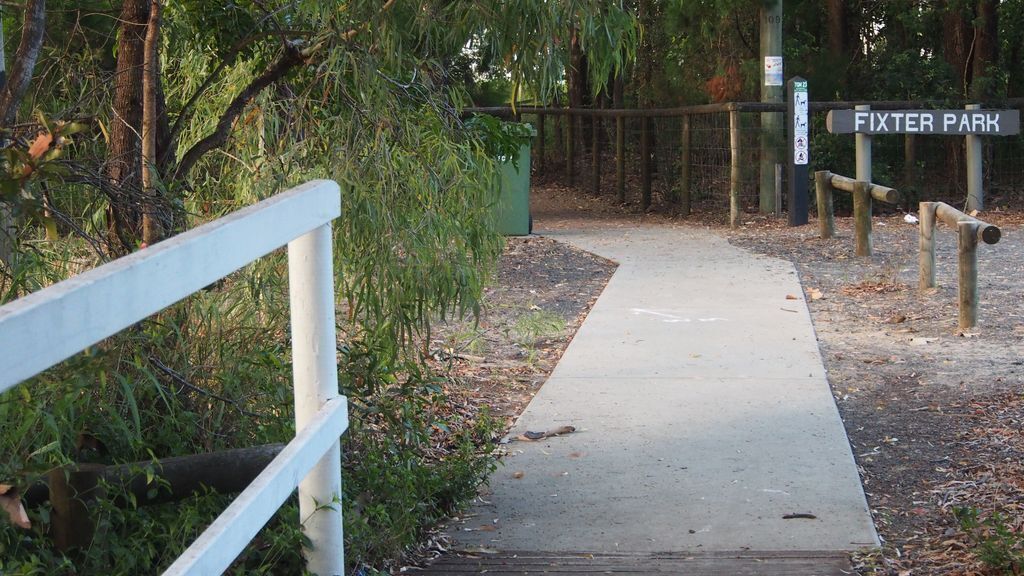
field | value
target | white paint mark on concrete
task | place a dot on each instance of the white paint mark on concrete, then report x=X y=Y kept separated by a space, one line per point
x=672 y=318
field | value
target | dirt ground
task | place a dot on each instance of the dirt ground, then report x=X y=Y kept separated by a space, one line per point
x=934 y=415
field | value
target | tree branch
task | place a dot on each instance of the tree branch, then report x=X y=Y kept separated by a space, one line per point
x=291 y=58
x=24 y=60
x=227 y=60
x=184 y=383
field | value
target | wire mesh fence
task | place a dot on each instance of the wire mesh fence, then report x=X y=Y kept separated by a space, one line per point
x=691 y=164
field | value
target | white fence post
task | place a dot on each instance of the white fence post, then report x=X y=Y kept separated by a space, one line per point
x=314 y=356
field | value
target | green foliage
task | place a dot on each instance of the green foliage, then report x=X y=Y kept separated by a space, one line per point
x=501 y=140
x=997 y=544
x=536 y=325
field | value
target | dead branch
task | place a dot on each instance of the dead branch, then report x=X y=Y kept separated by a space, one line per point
x=183 y=382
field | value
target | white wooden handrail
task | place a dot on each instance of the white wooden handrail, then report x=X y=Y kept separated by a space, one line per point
x=50 y=325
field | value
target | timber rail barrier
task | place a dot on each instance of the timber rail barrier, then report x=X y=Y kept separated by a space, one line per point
x=53 y=324
x=825 y=183
x=716 y=157
x=970 y=232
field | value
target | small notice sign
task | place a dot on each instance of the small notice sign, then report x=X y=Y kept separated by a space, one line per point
x=799 y=152
x=950 y=122
x=773 y=71
x=800 y=121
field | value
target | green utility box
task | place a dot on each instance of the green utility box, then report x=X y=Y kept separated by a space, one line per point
x=512 y=211
x=508 y=143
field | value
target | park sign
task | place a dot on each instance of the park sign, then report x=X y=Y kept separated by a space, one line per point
x=948 y=122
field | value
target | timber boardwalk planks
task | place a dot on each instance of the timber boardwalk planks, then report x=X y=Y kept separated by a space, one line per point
x=790 y=563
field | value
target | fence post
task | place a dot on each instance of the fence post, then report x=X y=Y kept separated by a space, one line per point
x=540 y=142
x=734 y=168
x=863 y=151
x=862 y=217
x=909 y=163
x=926 y=243
x=778 y=190
x=645 y=162
x=570 y=148
x=72 y=490
x=620 y=156
x=595 y=154
x=975 y=189
x=684 y=170
x=315 y=372
x=968 y=274
x=823 y=194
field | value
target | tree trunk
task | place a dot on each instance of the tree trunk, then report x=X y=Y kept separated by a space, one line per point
x=957 y=39
x=956 y=45
x=12 y=90
x=837 y=29
x=576 y=74
x=986 y=47
x=24 y=63
x=124 y=159
x=152 y=228
x=134 y=214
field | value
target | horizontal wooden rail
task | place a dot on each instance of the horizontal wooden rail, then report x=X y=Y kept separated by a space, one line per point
x=987 y=233
x=970 y=232
x=877 y=191
x=863 y=193
x=50 y=325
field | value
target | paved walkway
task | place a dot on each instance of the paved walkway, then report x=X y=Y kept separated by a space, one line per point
x=702 y=411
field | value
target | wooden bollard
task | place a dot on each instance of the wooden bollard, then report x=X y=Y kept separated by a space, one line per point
x=864 y=194
x=926 y=244
x=968 y=276
x=823 y=194
x=71 y=492
x=970 y=233
x=862 y=218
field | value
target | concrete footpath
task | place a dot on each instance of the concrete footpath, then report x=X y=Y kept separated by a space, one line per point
x=702 y=411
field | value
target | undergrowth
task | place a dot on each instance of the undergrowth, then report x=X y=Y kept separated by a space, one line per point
x=213 y=372
x=996 y=543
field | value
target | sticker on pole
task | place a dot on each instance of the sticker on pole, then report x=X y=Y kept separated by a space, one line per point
x=773 y=71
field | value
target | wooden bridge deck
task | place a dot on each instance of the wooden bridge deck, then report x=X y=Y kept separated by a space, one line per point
x=797 y=563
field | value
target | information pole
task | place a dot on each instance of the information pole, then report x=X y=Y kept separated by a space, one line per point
x=773 y=89
x=798 y=150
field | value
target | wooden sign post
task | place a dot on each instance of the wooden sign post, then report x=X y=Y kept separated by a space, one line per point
x=972 y=123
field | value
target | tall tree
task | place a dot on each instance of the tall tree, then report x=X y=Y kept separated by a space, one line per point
x=986 y=48
x=12 y=90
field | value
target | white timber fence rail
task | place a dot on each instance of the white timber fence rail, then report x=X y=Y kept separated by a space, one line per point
x=51 y=325
x=971 y=232
x=825 y=183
